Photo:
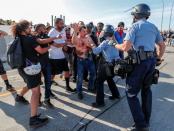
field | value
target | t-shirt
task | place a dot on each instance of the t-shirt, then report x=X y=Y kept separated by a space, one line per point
x=54 y=52
x=44 y=58
x=29 y=44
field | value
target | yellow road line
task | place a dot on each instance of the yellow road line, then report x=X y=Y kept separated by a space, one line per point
x=6 y=93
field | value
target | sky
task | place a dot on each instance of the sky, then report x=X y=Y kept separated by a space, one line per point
x=107 y=11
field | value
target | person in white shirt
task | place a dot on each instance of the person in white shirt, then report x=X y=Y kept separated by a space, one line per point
x=58 y=61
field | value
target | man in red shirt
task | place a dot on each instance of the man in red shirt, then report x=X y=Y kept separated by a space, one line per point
x=100 y=26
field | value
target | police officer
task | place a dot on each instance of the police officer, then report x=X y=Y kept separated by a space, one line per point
x=142 y=36
x=105 y=69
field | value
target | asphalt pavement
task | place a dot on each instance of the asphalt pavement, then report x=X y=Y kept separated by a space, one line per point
x=71 y=114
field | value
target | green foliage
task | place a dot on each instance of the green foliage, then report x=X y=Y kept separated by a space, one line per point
x=6 y=22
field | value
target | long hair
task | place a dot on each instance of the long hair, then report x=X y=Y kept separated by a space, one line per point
x=18 y=28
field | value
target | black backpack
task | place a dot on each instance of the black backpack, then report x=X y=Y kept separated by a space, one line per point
x=15 y=54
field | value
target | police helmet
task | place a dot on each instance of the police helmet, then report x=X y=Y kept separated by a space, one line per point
x=108 y=31
x=141 y=11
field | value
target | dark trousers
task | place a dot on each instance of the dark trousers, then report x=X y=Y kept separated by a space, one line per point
x=46 y=70
x=101 y=77
x=2 y=71
x=135 y=83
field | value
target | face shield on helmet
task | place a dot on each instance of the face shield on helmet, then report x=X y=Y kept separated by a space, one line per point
x=141 y=11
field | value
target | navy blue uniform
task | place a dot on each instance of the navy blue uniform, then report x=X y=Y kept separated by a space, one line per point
x=110 y=54
x=142 y=33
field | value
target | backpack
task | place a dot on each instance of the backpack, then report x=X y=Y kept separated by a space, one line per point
x=15 y=54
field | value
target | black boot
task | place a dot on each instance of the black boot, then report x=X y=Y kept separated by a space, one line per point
x=97 y=105
x=48 y=103
x=80 y=96
x=69 y=89
x=21 y=99
x=114 y=97
x=36 y=121
x=10 y=88
x=134 y=128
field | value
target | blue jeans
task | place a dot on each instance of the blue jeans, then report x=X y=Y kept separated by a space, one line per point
x=136 y=82
x=89 y=65
x=46 y=70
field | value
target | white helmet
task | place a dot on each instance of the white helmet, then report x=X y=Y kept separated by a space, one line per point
x=33 y=69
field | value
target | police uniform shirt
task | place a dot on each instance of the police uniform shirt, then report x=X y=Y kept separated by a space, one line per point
x=143 y=33
x=109 y=52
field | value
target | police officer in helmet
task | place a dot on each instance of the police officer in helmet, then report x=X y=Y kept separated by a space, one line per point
x=142 y=37
x=105 y=71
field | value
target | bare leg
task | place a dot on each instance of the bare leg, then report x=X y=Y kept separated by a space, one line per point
x=4 y=77
x=24 y=91
x=35 y=100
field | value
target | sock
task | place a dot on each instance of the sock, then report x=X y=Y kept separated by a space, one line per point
x=67 y=82
x=6 y=82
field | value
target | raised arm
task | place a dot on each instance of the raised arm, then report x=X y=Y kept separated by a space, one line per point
x=74 y=36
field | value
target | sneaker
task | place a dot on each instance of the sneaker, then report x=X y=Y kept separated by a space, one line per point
x=91 y=90
x=69 y=89
x=114 y=97
x=10 y=88
x=48 y=103
x=36 y=121
x=21 y=99
x=54 y=83
x=133 y=128
x=80 y=96
x=96 y=105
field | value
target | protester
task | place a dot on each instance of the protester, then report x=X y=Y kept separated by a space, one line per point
x=43 y=40
x=3 y=74
x=2 y=70
x=45 y=64
x=69 y=49
x=119 y=36
x=100 y=26
x=31 y=49
x=84 y=58
x=56 y=54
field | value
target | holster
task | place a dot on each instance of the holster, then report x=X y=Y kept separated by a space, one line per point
x=155 y=77
x=152 y=78
x=105 y=69
x=123 y=68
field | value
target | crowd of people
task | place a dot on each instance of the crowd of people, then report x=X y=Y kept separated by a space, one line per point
x=63 y=49
x=85 y=52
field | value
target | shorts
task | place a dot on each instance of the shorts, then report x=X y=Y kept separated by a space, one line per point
x=58 y=66
x=2 y=70
x=31 y=81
